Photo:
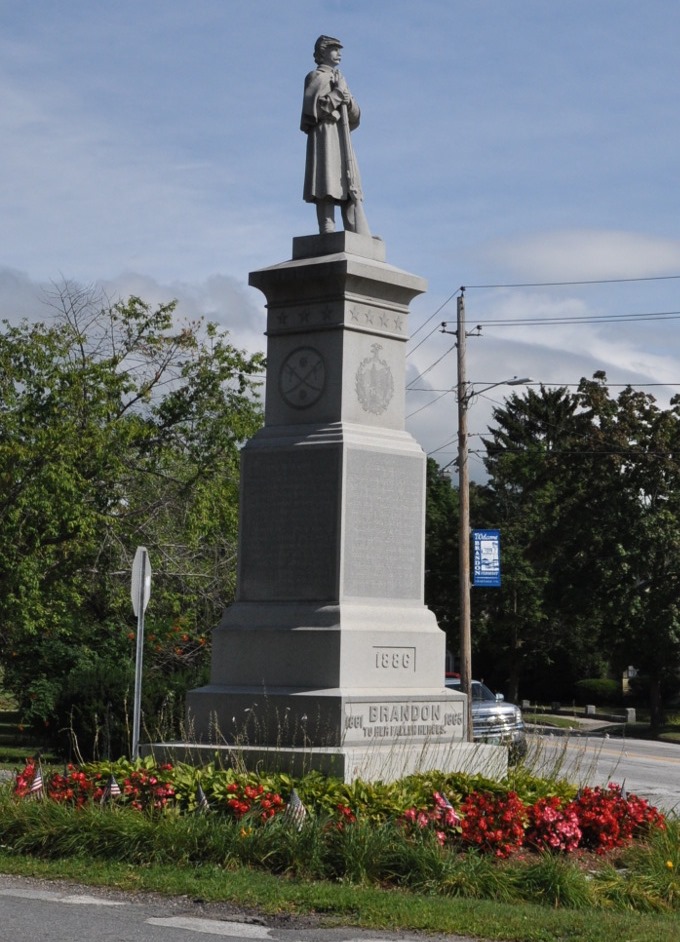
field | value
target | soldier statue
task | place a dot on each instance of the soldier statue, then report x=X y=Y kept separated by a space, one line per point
x=329 y=114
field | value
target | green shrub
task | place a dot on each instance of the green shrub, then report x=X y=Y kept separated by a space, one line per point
x=92 y=711
x=639 y=689
x=94 y=706
x=600 y=691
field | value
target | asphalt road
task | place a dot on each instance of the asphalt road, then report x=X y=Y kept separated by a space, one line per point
x=32 y=910
x=649 y=769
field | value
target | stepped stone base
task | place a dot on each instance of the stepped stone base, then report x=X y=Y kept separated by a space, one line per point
x=384 y=763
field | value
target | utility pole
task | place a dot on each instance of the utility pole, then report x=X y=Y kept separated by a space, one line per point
x=465 y=667
x=465 y=394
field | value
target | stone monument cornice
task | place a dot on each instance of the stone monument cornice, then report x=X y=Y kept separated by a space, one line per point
x=337 y=274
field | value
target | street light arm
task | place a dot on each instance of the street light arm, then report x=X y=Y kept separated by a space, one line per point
x=515 y=381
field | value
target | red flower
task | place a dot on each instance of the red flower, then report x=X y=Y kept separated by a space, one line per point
x=553 y=825
x=609 y=820
x=494 y=824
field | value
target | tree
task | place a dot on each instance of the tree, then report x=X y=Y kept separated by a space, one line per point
x=441 y=550
x=530 y=457
x=119 y=425
x=442 y=592
x=624 y=542
x=586 y=491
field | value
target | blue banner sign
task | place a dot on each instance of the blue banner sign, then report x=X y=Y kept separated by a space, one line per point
x=486 y=555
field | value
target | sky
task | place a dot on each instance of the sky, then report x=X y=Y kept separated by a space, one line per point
x=526 y=149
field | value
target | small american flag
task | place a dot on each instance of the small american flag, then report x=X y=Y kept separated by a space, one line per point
x=443 y=801
x=295 y=812
x=112 y=789
x=37 y=789
x=202 y=803
x=448 y=813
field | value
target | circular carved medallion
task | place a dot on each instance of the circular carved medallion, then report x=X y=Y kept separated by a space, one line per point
x=302 y=377
x=374 y=383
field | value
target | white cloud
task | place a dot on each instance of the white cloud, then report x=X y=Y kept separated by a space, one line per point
x=20 y=297
x=586 y=254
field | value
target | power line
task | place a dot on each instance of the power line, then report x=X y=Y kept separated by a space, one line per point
x=549 y=385
x=440 y=308
x=441 y=447
x=428 y=404
x=557 y=452
x=581 y=319
x=545 y=321
x=554 y=321
x=567 y=284
x=445 y=392
x=421 y=342
x=548 y=453
x=432 y=365
x=559 y=320
x=556 y=426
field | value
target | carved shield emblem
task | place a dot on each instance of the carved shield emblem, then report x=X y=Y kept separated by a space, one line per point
x=374 y=383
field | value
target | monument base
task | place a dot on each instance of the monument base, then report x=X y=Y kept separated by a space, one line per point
x=375 y=763
x=329 y=659
x=330 y=718
x=342 y=732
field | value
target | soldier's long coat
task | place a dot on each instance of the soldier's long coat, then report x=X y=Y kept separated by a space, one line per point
x=326 y=171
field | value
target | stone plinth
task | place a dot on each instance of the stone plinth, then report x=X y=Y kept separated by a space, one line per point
x=384 y=763
x=329 y=645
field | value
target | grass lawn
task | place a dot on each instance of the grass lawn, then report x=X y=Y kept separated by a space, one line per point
x=330 y=904
x=550 y=719
x=670 y=732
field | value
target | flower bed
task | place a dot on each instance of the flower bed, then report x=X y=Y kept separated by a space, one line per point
x=476 y=814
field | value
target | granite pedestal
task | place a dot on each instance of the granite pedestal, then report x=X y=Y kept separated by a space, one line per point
x=329 y=658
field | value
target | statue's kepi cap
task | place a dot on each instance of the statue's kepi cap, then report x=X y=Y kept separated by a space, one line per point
x=324 y=41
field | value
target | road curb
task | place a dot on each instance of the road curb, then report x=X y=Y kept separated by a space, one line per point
x=596 y=729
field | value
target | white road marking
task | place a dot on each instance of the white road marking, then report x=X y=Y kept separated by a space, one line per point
x=33 y=894
x=91 y=901
x=51 y=897
x=213 y=927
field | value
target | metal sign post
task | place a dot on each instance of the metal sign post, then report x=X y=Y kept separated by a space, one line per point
x=140 y=592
